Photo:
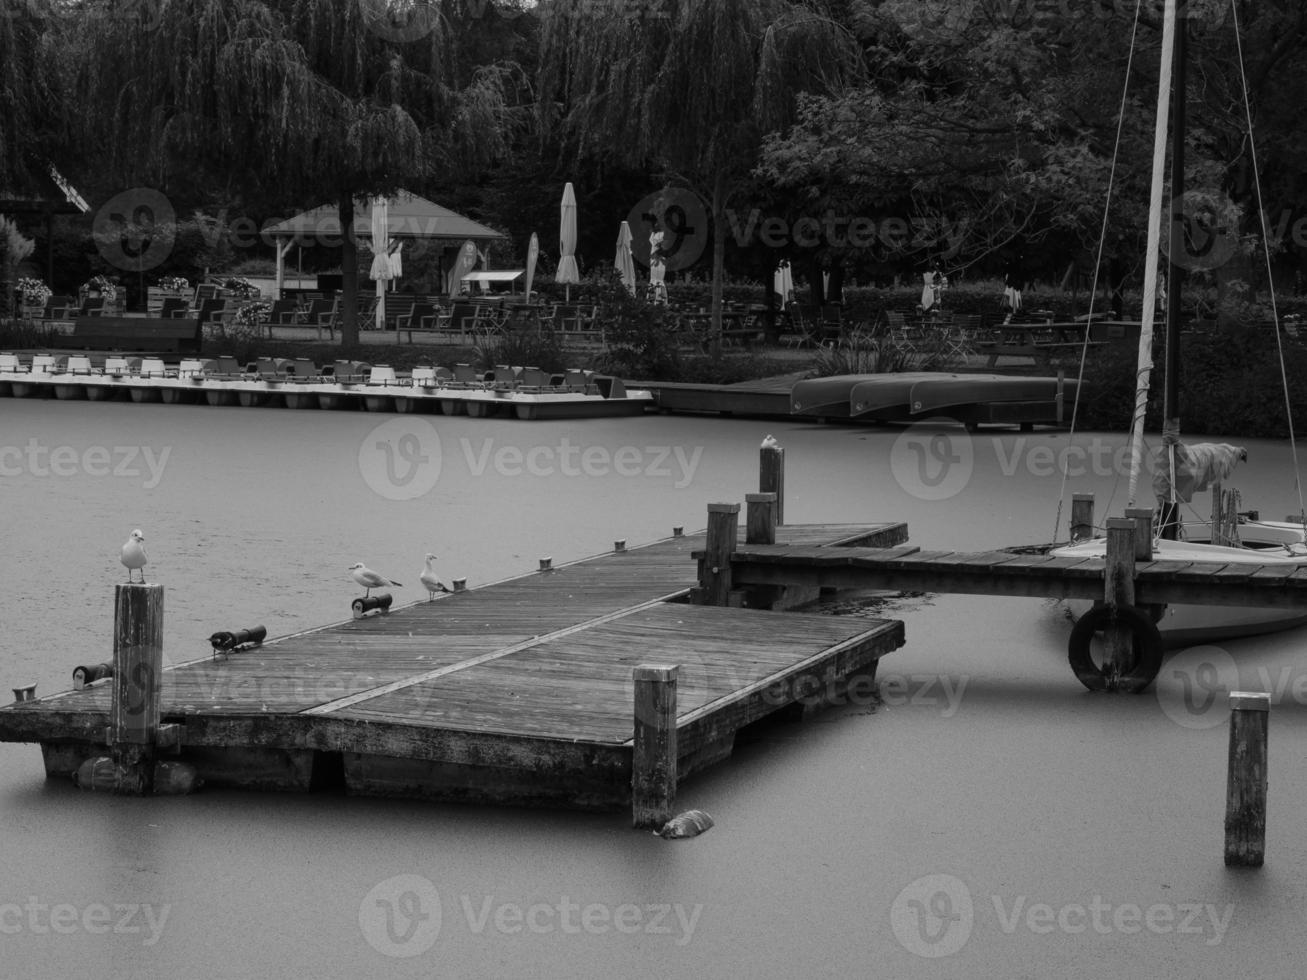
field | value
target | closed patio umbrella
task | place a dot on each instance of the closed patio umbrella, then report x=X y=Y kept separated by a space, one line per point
x=465 y=263
x=382 y=268
x=624 y=261
x=568 y=273
x=532 y=255
x=783 y=282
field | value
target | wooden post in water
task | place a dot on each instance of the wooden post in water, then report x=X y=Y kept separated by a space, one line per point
x=1059 y=400
x=1082 y=516
x=137 y=668
x=653 y=758
x=715 y=568
x=1245 y=791
x=1119 y=590
x=771 y=477
x=1143 y=518
x=760 y=518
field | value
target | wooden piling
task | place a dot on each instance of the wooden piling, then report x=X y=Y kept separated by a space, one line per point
x=133 y=734
x=1143 y=518
x=1082 y=516
x=1245 y=793
x=760 y=518
x=715 y=566
x=1119 y=590
x=653 y=761
x=771 y=477
x=1059 y=399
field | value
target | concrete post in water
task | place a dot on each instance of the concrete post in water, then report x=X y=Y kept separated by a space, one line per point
x=760 y=518
x=715 y=569
x=653 y=760
x=137 y=669
x=771 y=477
x=1245 y=792
x=1082 y=516
x=1119 y=590
x=1143 y=518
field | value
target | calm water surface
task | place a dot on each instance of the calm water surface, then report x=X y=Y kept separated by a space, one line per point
x=989 y=818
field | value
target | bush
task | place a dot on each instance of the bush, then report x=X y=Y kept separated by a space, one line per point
x=522 y=349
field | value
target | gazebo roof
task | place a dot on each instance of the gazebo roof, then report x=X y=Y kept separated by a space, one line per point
x=410 y=217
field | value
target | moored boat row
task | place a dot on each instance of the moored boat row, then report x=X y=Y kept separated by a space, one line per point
x=524 y=392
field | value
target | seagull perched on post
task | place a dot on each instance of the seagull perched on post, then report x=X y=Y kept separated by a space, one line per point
x=428 y=578
x=369 y=579
x=133 y=555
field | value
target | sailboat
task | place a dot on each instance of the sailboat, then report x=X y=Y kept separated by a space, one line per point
x=1181 y=470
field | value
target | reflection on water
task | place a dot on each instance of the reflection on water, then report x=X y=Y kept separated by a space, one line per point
x=988 y=763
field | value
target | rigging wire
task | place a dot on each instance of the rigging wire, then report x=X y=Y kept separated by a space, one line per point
x=1098 y=262
x=1266 y=252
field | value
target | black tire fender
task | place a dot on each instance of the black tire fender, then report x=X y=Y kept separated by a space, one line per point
x=1147 y=647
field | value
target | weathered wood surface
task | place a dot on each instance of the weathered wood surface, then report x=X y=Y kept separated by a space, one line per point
x=1001 y=573
x=520 y=692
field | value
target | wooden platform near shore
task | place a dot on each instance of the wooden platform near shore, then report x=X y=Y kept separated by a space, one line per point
x=517 y=692
x=1005 y=573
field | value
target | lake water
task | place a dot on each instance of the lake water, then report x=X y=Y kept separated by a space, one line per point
x=988 y=818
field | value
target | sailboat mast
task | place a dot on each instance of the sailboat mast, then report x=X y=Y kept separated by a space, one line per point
x=1144 y=365
x=1176 y=271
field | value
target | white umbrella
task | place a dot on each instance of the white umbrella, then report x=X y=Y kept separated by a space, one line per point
x=624 y=261
x=465 y=263
x=783 y=282
x=657 y=267
x=532 y=255
x=382 y=269
x=567 y=273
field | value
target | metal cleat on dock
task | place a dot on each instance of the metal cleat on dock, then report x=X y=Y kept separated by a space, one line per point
x=230 y=641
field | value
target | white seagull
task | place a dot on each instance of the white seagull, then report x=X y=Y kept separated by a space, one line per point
x=428 y=578
x=770 y=442
x=133 y=555
x=369 y=579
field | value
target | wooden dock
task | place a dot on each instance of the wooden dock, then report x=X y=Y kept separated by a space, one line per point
x=517 y=692
x=1007 y=574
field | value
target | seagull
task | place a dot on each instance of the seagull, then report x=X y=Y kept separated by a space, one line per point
x=369 y=579
x=428 y=578
x=133 y=555
x=769 y=442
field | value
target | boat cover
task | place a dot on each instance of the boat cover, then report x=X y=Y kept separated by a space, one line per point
x=1197 y=466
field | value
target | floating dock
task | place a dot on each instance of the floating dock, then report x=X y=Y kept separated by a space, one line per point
x=518 y=692
x=526 y=393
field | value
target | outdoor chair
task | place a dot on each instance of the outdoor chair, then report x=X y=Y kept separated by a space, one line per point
x=420 y=316
x=173 y=307
x=323 y=313
x=284 y=312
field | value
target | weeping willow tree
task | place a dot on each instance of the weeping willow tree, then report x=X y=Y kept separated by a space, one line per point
x=305 y=99
x=692 y=92
x=30 y=107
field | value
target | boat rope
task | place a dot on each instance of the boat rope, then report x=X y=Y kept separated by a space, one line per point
x=1266 y=253
x=1098 y=263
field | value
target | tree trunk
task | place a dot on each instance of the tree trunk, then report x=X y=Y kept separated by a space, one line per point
x=718 y=262
x=349 y=269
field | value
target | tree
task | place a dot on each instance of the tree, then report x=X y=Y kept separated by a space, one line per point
x=692 y=92
x=304 y=99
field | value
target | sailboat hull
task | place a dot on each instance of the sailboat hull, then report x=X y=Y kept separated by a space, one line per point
x=1187 y=625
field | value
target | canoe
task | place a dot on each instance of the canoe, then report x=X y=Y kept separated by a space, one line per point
x=931 y=395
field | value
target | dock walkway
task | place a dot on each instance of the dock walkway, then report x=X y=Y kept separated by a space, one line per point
x=519 y=691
